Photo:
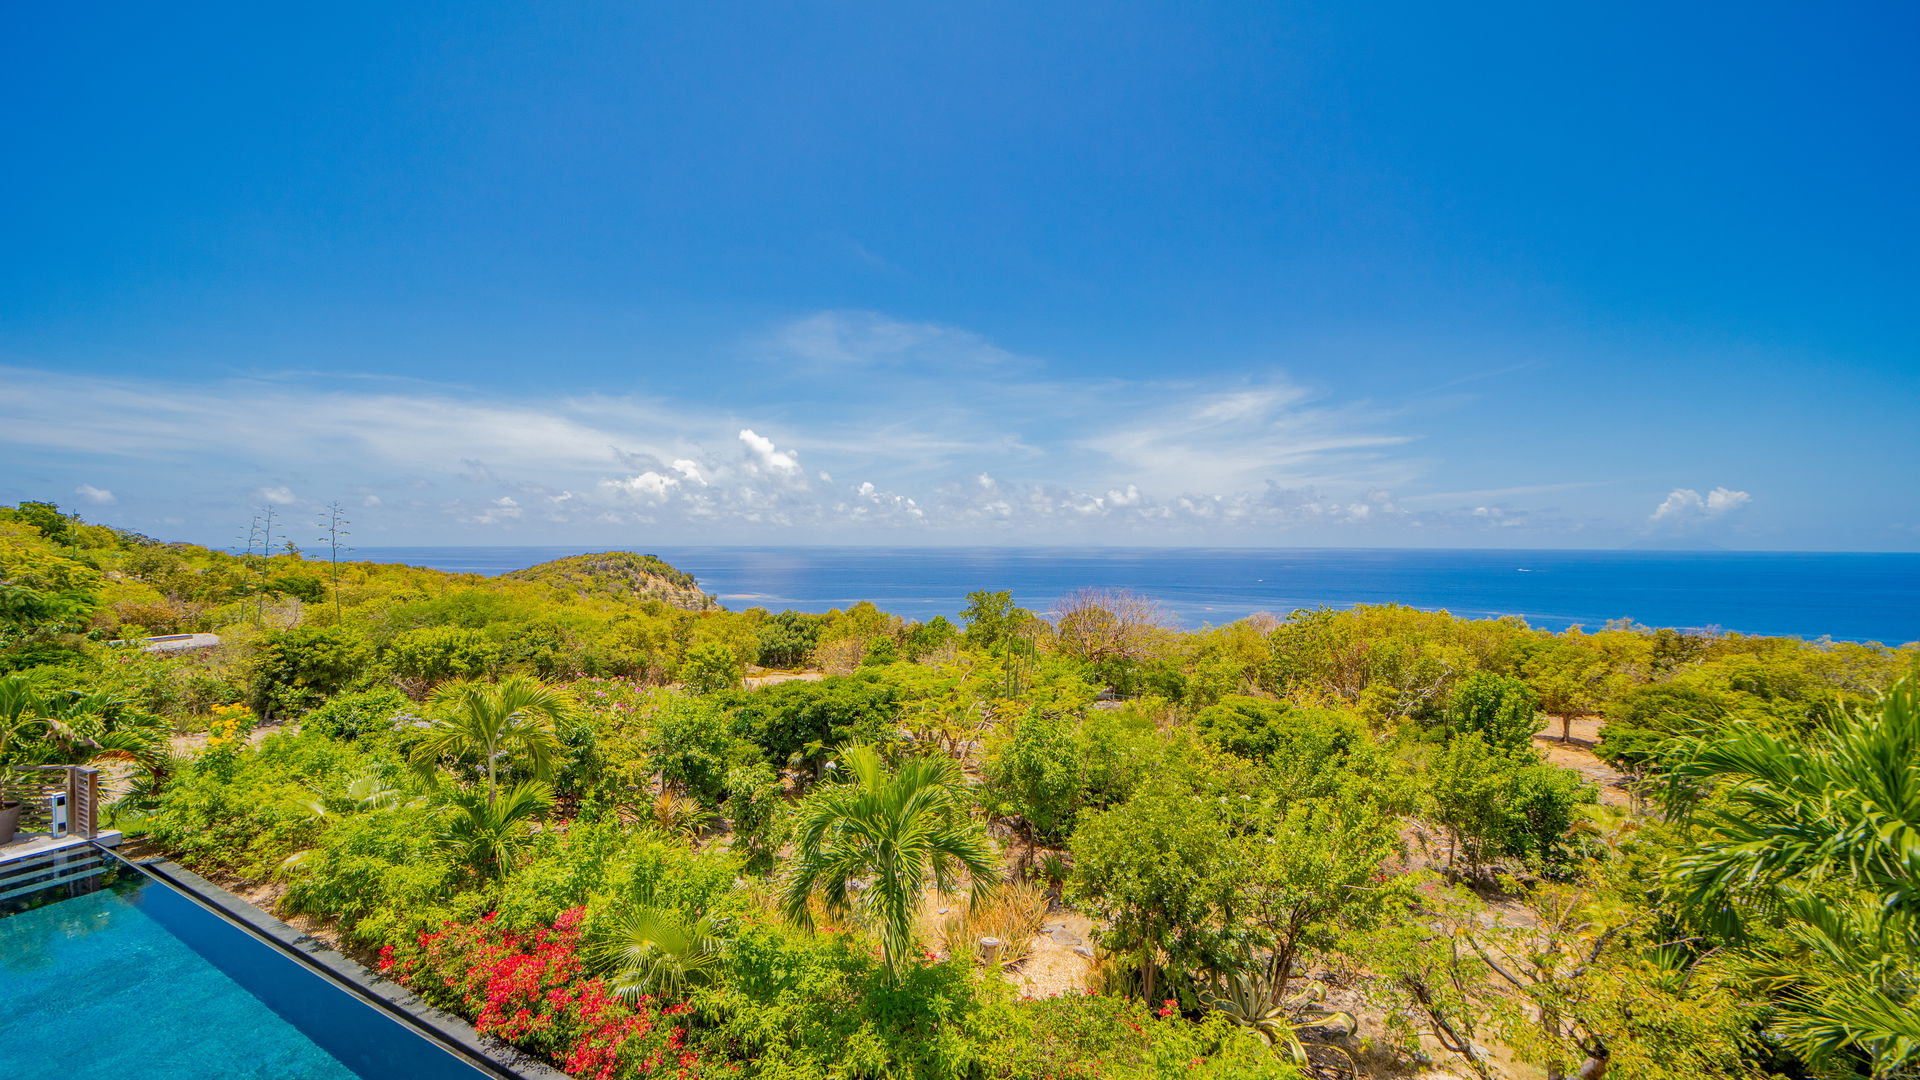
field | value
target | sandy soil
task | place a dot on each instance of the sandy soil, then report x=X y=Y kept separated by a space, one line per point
x=1062 y=957
x=1577 y=754
x=758 y=677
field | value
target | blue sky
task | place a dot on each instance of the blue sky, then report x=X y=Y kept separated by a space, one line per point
x=1384 y=275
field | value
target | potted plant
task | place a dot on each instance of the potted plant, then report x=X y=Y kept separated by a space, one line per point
x=9 y=819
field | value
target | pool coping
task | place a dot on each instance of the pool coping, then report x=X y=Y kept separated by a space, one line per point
x=450 y=1032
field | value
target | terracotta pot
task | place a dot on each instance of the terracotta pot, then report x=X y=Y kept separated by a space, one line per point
x=9 y=821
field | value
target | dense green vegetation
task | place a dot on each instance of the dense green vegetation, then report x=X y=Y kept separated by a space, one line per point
x=1327 y=844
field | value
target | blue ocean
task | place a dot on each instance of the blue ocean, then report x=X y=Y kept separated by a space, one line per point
x=1859 y=597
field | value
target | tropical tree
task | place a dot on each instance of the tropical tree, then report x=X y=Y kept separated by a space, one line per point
x=1828 y=829
x=1160 y=870
x=20 y=719
x=511 y=720
x=1502 y=709
x=905 y=830
x=42 y=726
x=711 y=667
x=1464 y=788
x=486 y=835
x=1033 y=773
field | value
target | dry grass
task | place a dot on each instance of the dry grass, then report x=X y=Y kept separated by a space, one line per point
x=1014 y=914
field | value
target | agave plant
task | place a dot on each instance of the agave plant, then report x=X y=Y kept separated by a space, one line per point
x=654 y=950
x=1281 y=1020
x=679 y=815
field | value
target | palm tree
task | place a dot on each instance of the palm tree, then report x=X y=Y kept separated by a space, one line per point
x=1829 y=830
x=21 y=706
x=485 y=835
x=905 y=831
x=654 y=950
x=72 y=726
x=1843 y=804
x=513 y=718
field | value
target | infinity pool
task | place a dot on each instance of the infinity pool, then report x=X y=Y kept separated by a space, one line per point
x=106 y=970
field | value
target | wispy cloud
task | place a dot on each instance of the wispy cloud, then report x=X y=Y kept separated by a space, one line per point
x=935 y=432
x=857 y=339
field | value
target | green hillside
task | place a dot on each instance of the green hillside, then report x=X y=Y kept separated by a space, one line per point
x=621 y=576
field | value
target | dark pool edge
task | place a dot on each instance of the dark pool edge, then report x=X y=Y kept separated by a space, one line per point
x=449 y=1031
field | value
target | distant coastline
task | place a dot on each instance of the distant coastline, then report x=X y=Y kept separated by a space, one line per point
x=1844 y=595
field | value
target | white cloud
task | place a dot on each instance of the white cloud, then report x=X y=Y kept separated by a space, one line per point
x=1683 y=505
x=650 y=485
x=371 y=500
x=946 y=431
x=1242 y=439
x=761 y=450
x=505 y=508
x=1721 y=501
x=96 y=496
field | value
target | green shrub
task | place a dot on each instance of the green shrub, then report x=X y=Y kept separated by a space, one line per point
x=787 y=638
x=434 y=654
x=1502 y=709
x=1643 y=718
x=1541 y=806
x=692 y=746
x=243 y=810
x=1248 y=727
x=606 y=867
x=350 y=716
x=793 y=1005
x=382 y=876
x=296 y=670
x=711 y=667
x=800 y=723
x=1076 y=1037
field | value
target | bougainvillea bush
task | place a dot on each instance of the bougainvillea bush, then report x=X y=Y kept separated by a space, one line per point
x=533 y=990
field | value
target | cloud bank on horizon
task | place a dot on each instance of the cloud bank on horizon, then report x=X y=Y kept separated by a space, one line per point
x=948 y=439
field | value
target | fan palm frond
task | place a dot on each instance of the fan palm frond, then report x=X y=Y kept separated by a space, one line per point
x=653 y=950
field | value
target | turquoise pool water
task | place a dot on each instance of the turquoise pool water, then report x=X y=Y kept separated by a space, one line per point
x=97 y=986
x=108 y=970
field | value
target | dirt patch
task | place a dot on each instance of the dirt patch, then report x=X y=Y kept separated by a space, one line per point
x=1062 y=958
x=1576 y=753
x=757 y=678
